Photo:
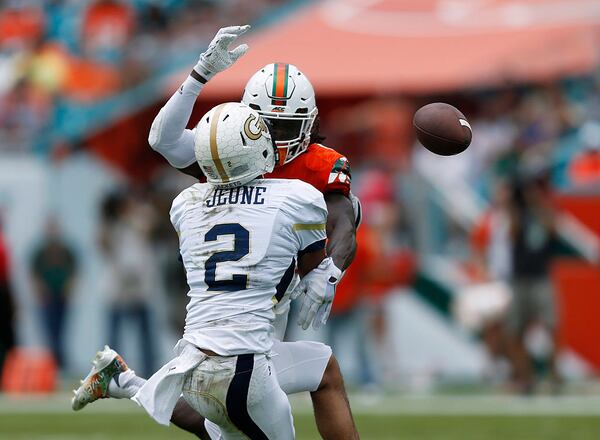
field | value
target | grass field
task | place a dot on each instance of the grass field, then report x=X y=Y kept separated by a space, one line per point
x=388 y=419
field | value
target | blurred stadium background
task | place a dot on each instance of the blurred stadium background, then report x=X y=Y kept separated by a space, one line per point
x=427 y=323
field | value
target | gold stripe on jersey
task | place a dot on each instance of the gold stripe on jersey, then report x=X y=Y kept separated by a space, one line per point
x=213 y=144
x=309 y=227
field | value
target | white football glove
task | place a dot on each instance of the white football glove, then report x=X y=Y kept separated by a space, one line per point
x=218 y=57
x=317 y=289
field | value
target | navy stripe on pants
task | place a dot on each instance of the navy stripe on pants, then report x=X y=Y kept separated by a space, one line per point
x=237 y=398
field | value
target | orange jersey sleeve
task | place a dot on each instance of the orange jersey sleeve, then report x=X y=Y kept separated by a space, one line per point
x=324 y=168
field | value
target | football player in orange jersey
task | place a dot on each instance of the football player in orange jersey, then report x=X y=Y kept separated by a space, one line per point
x=285 y=98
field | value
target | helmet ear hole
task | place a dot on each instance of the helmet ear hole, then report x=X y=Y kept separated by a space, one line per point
x=265 y=153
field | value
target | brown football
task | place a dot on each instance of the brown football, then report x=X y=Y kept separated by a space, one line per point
x=442 y=129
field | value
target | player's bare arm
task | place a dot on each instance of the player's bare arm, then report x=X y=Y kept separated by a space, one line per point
x=341 y=230
x=309 y=261
x=317 y=288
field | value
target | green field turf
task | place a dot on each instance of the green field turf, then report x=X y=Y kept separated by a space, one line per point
x=371 y=427
x=51 y=420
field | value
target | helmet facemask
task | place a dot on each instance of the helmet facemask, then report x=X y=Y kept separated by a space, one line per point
x=290 y=132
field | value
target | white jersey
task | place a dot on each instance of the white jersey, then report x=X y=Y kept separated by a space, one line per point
x=239 y=248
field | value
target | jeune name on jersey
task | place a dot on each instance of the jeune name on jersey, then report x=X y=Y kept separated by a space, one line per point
x=242 y=195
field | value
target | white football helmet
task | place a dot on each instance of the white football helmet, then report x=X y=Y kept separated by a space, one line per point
x=285 y=98
x=233 y=145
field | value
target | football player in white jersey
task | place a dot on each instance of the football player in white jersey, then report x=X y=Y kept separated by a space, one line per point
x=241 y=239
x=301 y=366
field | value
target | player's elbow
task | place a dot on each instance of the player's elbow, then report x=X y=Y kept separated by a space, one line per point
x=155 y=137
x=152 y=142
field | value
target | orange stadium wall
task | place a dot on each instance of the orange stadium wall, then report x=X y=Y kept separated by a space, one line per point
x=586 y=208
x=578 y=287
x=578 y=294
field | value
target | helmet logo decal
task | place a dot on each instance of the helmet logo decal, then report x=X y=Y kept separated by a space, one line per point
x=213 y=143
x=280 y=83
x=259 y=124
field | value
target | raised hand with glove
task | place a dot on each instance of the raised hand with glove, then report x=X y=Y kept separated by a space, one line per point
x=316 y=291
x=169 y=135
x=218 y=57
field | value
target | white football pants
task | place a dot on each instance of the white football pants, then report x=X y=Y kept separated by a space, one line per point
x=242 y=396
x=299 y=367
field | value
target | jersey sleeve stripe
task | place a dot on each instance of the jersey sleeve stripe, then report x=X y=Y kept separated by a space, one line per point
x=213 y=143
x=309 y=227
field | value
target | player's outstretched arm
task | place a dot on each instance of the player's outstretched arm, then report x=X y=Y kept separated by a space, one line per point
x=168 y=134
x=341 y=230
x=318 y=286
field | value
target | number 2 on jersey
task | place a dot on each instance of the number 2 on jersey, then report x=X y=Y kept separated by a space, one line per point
x=241 y=248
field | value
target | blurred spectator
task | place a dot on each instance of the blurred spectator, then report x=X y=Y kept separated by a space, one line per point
x=20 y=25
x=53 y=269
x=106 y=29
x=492 y=246
x=392 y=264
x=348 y=323
x=491 y=239
x=533 y=240
x=23 y=114
x=130 y=271
x=7 y=311
x=516 y=241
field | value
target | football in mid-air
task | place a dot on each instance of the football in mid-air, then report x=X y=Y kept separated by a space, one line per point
x=442 y=129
